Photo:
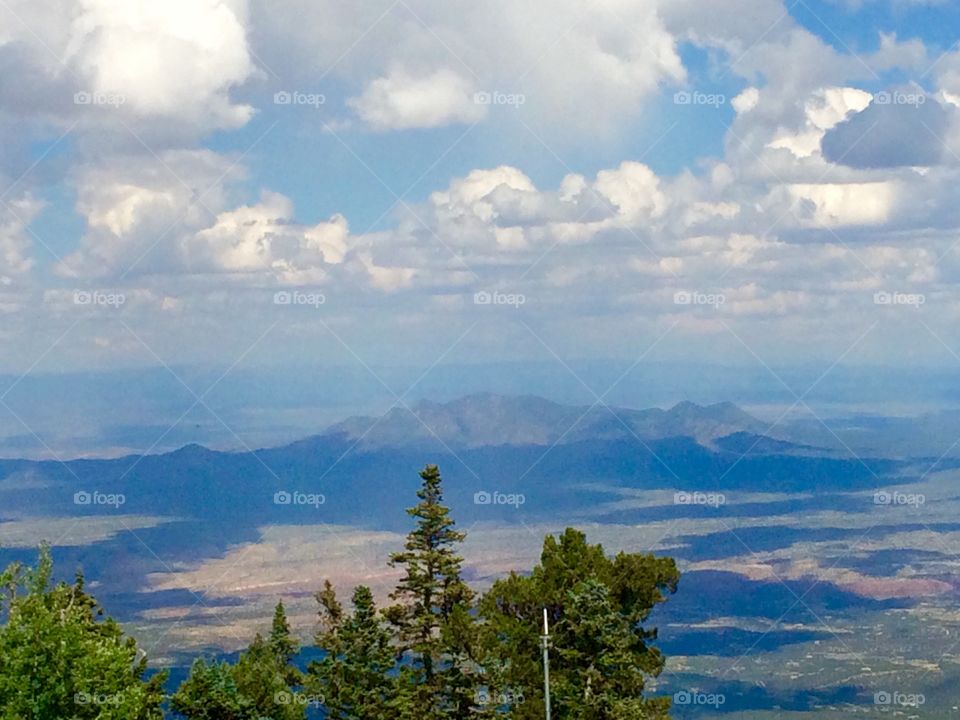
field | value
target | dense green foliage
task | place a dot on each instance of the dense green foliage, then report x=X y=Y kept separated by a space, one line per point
x=436 y=652
x=211 y=693
x=262 y=684
x=355 y=677
x=60 y=658
x=596 y=605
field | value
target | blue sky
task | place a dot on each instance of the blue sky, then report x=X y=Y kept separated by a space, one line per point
x=769 y=182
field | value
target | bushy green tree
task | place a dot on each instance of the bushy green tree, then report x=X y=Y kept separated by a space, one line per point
x=356 y=678
x=211 y=693
x=600 y=657
x=62 y=657
x=265 y=681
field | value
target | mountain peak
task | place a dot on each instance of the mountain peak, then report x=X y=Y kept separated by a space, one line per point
x=489 y=419
x=686 y=406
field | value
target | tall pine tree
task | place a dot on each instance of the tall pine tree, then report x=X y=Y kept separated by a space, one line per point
x=284 y=645
x=436 y=631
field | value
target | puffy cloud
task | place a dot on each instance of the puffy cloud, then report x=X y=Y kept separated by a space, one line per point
x=635 y=191
x=134 y=60
x=386 y=277
x=262 y=237
x=175 y=217
x=135 y=211
x=746 y=101
x=822 y=112
x=177 y=58
x=902 y=128
x=499 y=211
x=401 y=101
x=418 y=64
x=472 y=195
x=830 y=205
x=487 y=210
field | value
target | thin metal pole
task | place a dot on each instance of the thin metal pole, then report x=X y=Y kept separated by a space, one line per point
x=546 y=664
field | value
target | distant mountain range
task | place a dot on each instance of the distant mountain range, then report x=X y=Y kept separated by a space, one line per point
x=565 y=459
x=481 y=439
x=488 y=420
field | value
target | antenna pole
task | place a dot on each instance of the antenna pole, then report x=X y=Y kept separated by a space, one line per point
x=546 y=664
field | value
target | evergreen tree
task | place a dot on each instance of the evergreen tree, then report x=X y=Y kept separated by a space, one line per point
x=284 y=645
x=601 y=656
x=61 y=657
x=262 y=685
x=262 y=678
x=356 y=678
x=435 y=629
